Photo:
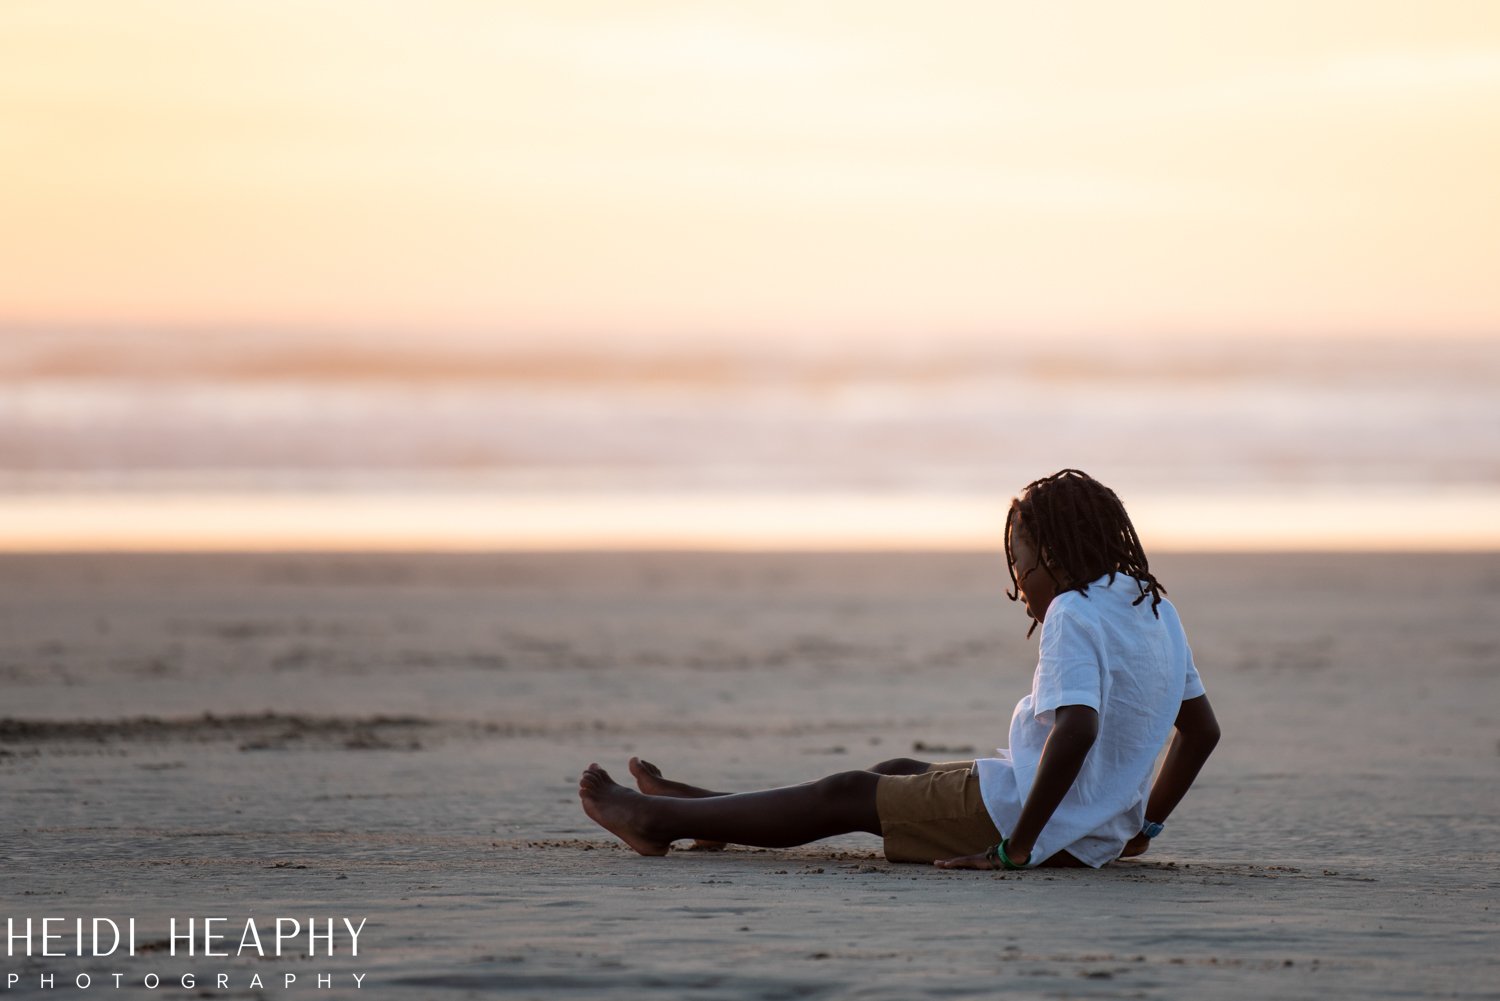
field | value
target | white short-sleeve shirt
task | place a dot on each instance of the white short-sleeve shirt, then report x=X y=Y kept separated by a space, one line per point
x=1136 y=670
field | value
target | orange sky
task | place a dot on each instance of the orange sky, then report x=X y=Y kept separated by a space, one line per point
x=782 y=168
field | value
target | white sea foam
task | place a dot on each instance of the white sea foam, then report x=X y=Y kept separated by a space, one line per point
x=1233 y=420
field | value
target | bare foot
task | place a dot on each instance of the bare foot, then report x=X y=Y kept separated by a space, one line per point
x=617 y=810
x=649 y=780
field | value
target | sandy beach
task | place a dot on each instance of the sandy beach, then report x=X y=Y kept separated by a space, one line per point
x=397 y=739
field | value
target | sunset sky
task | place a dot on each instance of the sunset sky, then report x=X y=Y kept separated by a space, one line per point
x=844 y=169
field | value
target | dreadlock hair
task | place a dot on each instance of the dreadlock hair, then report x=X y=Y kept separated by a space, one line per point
x=1081 y=533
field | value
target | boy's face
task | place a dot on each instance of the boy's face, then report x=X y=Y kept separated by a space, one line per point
x=1034 y=581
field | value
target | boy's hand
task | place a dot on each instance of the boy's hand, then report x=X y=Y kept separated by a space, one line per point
x=1136 y=846
x=980 y=861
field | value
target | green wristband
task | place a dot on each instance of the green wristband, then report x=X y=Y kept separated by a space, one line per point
x=996 y=853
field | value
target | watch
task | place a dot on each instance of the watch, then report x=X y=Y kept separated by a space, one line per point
x=1151 y=829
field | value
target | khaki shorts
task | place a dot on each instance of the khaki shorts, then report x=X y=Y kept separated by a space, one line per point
x=936 y=815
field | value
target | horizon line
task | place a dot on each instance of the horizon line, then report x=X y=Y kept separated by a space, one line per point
x=1327 y=521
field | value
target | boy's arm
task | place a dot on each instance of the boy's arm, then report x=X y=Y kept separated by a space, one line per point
x=1196 y=736
x=1074 y=730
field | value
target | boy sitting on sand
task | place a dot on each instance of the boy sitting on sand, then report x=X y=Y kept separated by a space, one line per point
x=1114 y=678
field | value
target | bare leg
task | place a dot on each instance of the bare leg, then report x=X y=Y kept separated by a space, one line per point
x=649 y=780
x=775 y=818
x=900 y=766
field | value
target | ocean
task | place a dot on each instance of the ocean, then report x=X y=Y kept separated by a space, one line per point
x=1365 y=436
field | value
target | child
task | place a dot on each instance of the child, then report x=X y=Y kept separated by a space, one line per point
x=1113 y=679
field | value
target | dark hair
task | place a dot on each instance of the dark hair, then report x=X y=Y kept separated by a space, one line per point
x=1081 y=532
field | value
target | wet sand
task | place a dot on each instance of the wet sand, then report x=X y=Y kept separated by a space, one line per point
x=398 y=738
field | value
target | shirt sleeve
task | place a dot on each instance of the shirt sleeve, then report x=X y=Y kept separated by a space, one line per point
x=1192 y=687
x=1069 y=667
